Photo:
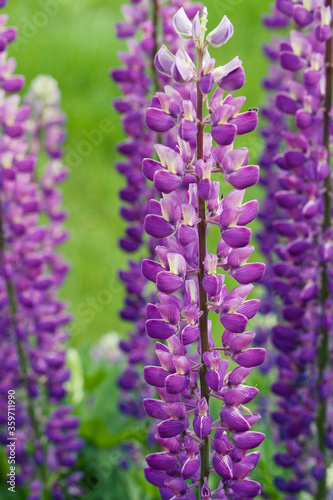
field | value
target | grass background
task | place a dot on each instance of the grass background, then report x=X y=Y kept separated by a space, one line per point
x=74 y=41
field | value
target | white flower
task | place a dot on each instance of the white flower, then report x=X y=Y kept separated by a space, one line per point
x=44 y=88
x=107 y=348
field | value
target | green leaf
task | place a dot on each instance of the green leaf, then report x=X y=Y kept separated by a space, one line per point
x=94 y=380
x=96 y=431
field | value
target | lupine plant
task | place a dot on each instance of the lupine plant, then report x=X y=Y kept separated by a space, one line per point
x=138 y=79
x=190 y=371
x=33 y=319
x=298 y=240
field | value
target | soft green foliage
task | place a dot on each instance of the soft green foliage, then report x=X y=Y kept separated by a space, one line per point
x=75 y=43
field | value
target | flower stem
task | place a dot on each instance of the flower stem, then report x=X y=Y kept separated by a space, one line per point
x=155 y=47
x=323 y=347
x=203 y=320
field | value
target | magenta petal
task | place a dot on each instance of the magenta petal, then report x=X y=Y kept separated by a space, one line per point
x=150 y=269
x=202 y=425
x=249 y=308
x=175 y=383
x=190 y=467
x=190 y=334
x=205 y=188
x=249 y=212
x=155 y=375
x=223 y=466
x=303 y=119
x=206 y=83
x=237 y=237
x=234 y=419
x=229 y=217
x=152 y=312
x=157 y=478
x=244 y=177
x=157 y=226
x=168 y=282
x=224 y=134
x=235 y=322
x=233 y=81
x=213 y=380
x=169 y=312
x=156 y=409
x=248 y=440
x=149 y=167
x=286 y=104
x=166 y=182
x=186 y=234
x=239 y=256
x=234 y=397
x=246 y=488
x=161 y=460
x=246 y=122
x=239 y=375
x=323 y=32
x=170 y=428
x=302 y=16
x=211 y=284
x=187 y=129
x=13 y=84
x=291 y=62
x=158 y=120
x=241 y=342
x=178 y=487
x=251 y=357
x=13 y=131
x=159 y=329
x=242 y=469
x=249 y=273
x=288 y=199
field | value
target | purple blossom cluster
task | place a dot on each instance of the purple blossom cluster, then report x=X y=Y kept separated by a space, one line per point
x=138 y=79
x=135 y=84
x=297 y=238
x=190 y=371
x=32 y=318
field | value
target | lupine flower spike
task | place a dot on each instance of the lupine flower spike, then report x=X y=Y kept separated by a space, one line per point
x=32 y=318
x=297 y=237
x=191 y=368
x=138 y=80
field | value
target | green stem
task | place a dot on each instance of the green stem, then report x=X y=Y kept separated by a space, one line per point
x=323 y=347
x=155 y=47
x=203 y=320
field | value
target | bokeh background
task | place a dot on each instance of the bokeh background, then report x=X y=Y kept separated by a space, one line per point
x=74 y=41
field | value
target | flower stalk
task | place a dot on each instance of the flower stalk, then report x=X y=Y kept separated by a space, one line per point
x=202 y=239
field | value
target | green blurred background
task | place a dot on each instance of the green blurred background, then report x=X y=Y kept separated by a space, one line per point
x=74 y=41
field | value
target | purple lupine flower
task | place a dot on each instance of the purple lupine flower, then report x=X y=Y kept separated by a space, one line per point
x=33 y=319
x=138 y=80
x=297 y=239
x=190 y=369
